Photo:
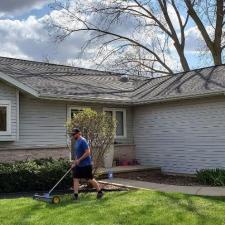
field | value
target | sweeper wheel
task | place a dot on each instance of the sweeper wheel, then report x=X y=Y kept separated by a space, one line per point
x=55 y=200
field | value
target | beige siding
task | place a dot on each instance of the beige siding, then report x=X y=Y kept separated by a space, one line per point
x=9 y=93
x=181 y=137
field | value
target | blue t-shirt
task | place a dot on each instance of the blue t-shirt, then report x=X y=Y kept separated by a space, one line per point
x=80 y=146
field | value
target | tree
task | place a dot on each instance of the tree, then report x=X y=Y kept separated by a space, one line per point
x=143 y=36
x=210 y=23
x=98 y=129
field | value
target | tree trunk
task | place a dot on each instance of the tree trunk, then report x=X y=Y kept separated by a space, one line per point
x=217 y=56
x=183 y=60
x=214 y=46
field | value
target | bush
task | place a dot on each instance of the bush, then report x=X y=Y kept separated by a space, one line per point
x=213 y=177
x=33 y=175
x=99 y=129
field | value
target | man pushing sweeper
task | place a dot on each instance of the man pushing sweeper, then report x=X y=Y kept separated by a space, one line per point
x=82 y=165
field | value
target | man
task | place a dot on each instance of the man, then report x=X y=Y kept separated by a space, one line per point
x=82 y=165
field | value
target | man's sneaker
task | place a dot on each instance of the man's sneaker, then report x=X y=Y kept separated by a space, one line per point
x=100 y=195
x=75 y=197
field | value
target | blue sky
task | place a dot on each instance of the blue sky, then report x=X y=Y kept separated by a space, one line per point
x=23 y=34
x=35 y=12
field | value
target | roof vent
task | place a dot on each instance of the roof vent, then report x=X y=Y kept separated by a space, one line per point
x=124 y=78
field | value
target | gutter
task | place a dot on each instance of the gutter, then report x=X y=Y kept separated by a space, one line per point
x=87 y=100
x=134 y=103
x=161 y=100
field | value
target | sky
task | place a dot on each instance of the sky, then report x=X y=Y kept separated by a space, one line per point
x=24 y=34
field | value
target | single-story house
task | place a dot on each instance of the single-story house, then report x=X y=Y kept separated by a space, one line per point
x=173 y=122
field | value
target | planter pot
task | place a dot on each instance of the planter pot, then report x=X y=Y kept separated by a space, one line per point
x=108 y=158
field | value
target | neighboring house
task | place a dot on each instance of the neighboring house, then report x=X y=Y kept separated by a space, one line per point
x=173 y=122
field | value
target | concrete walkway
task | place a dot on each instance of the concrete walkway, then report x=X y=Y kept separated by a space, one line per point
x=194 y=190
x=124 y=169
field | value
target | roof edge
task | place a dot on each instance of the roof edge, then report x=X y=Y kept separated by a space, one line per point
x=132 y=103
x=168 y=99
x=87 y=100
x=18 y=84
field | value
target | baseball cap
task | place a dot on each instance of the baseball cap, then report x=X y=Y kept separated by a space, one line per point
x=75 y=131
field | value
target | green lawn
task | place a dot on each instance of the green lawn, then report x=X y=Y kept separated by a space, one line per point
x=135 y=207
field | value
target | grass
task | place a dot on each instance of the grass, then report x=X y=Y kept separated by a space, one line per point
x=131 y=208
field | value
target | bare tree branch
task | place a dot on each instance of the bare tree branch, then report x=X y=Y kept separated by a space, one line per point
x=142 y=34
x=214 y=45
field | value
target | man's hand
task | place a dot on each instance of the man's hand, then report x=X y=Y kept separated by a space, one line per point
x=73 y=165
x=77 y=162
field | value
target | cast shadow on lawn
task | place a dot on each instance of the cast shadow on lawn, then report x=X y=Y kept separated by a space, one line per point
x=87 y=201
x=85 y=198
x=27 y=213
x=157 y=208
x=186 y=202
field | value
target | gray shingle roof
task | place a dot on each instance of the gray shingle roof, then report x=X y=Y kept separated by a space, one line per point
x=66 y=82
x=69 y=82
x=198 y=82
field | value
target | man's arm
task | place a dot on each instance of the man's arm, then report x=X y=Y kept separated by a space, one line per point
x=77 y=161
x=87 y=152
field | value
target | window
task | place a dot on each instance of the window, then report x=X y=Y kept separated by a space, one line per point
x=71 y=110
x=74 y=112
x=5 y=117
x=120 y=116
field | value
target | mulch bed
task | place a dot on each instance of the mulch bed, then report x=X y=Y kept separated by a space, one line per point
x=156 y=176
x=104 y=187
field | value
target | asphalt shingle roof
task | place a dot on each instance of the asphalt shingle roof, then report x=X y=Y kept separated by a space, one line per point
x=51 y=80
x=194 y=83
x=64 y=81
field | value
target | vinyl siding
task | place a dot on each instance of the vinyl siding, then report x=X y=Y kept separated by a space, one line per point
x=181 y=137
x=42 y=123
x=9 y=93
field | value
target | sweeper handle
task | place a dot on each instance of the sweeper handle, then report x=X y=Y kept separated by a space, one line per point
x=60 y=181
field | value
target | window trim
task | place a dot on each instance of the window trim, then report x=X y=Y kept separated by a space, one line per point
x=114 y=110
x=7 y=104
x=70 y=108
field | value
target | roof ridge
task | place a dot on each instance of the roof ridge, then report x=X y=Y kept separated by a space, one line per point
x=192 y=70
x=108 y=73
x=53 y=64
x=103 y=72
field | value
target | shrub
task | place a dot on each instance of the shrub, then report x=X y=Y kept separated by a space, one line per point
x=213 y=177
x=33 y=175
x=99 y=129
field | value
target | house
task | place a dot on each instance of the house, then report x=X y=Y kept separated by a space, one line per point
x=173 y=122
